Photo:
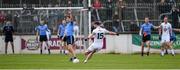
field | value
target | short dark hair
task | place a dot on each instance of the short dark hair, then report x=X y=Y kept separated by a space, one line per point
x=97 y=23
x=68 y=16
x=147 y=17
x=165 y=16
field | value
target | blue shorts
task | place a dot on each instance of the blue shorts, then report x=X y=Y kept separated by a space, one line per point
x=63 y=39
x=8 y=38
x=70 y=40
x=172 y=38
x=43 y=38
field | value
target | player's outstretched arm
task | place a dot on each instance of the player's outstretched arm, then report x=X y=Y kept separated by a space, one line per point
x=160 y=30
x=65 y=33
x=89 y=37
x=113 y=33
x=12 y=29
x=170 y=30
x=37 y=33
x=140 y=32
x=64 y=36
x=58 y=31
x=156 y=27
x=178 y=30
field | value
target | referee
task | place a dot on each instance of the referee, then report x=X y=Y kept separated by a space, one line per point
x=8 y=31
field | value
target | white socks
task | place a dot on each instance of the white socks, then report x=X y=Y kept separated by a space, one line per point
x=162 y=53
x=85 y=61
x=172 y=51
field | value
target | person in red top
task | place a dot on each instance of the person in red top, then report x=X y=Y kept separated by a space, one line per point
x=96 y=5
x=2 y=17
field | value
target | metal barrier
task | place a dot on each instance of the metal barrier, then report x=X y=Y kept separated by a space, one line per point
x=25 y=21
x=126 y=19
x=132 y=15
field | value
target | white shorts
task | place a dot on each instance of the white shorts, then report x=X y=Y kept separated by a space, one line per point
x=165 y=39
x=94 y=47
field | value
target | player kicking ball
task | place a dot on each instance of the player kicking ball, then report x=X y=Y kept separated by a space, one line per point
x=166 y=32
x=145 y=32
x=98 y=34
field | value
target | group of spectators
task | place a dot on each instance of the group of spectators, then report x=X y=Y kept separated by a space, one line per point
x=115 y=12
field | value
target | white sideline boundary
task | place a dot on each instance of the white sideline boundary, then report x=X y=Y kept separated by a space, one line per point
x=43 y=8
x=89 y=69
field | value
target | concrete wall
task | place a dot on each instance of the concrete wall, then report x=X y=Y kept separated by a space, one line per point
x=114 y=44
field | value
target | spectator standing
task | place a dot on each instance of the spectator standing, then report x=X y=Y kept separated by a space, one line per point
x=109 y=9
x=96 y=5
x=2 y=17
x=175 y=17
x=115 y=24
x=69 y=3
x=121 y=6
x=165 y=6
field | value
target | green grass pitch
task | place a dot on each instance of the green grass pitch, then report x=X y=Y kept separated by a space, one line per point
x=99 y=61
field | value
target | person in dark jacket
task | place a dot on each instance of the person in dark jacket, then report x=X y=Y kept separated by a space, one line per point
x=8 y=31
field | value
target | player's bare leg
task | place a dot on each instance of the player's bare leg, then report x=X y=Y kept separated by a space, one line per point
x=64 y=47
x=166 y=50
x=12 y=47
x=48 y=47
x=40 y=45
x=88 y=56
x=6 y=45
x=162 y=48
x=142 y=48
x=72 y=52
x=148 y=47
x=86 y=53
x=170 y=46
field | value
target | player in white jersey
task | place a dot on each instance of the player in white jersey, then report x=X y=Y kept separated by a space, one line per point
x=165 y=32
x=98 y=34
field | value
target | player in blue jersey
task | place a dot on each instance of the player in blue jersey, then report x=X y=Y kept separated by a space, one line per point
x=48 y=33
x=41 y=32
x=145 y=32
x=69 y=31
x=60 y=33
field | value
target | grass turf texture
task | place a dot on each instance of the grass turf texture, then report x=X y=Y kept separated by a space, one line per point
x=99 y=61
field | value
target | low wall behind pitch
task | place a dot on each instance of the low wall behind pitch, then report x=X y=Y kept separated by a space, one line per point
x=131 y=43
x=124 y=43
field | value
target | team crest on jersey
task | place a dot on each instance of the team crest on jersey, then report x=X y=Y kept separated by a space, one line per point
x=165 y=28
